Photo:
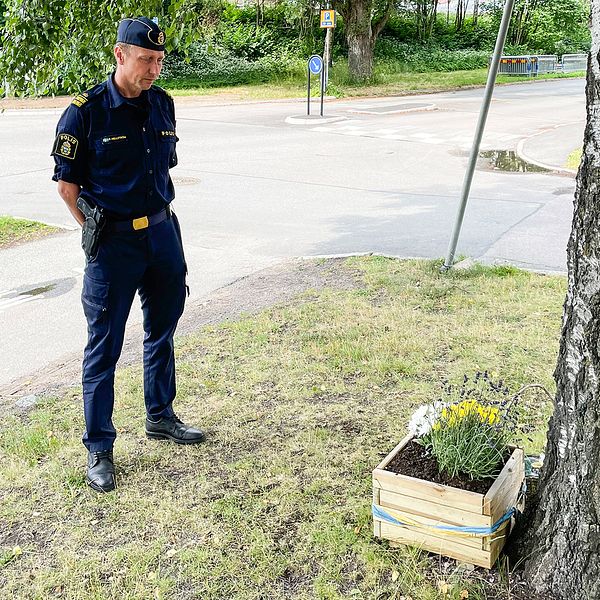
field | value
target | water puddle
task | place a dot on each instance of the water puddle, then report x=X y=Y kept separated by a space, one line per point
x=39 y=290
x=46 y=289
x=507 y=160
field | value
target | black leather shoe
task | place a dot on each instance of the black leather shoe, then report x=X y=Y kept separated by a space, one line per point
x=100 y=474
x=171 y=428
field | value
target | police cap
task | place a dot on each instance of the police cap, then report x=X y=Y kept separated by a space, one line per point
x=141 y=31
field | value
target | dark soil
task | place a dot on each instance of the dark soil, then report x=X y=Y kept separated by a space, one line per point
x=414 y=461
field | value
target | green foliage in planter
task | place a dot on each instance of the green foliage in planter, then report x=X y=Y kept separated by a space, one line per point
x=465 y=442
x=472 y=427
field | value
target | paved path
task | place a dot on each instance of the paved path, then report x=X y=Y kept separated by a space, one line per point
x=552 y=147
x=253 y=190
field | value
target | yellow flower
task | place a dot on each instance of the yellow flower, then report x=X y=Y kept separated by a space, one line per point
x=456 y=412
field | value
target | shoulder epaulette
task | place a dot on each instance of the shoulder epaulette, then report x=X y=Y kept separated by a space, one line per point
x=86 y=96
x=80 y=99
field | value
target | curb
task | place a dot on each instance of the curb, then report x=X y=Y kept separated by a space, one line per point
x=314 y=119
x=553 y=168
x=478 y=260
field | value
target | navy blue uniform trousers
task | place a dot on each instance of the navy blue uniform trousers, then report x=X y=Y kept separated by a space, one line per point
x=150 y=261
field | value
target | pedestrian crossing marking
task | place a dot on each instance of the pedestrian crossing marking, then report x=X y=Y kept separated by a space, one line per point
x=410 y=133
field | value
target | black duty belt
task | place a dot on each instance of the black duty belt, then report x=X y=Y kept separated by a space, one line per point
x=140 y=222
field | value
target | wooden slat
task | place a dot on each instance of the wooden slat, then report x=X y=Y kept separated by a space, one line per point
x=427 y=490
x=384 y=463
x=438 y=546
x=490 y=542
x=495 y=547
x=376 y=495
x=446 y=514
x=505 y=490
x=471 y=542
x=376 y=501
x=377 y=528
x=431 y=503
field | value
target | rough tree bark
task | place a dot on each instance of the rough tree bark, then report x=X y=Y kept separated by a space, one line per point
x=361 y=33
x=563 y=544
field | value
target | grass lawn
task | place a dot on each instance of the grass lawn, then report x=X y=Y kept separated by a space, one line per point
x=300 y=403
x=20 y=230
x=387 y=81
x=574 y=159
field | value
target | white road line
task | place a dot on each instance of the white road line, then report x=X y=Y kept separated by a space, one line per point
x=10 y=302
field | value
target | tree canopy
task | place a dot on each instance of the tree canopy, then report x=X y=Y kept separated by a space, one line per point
x=63 y=46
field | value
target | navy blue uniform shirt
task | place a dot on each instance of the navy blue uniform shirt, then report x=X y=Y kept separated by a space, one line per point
x=119 y=150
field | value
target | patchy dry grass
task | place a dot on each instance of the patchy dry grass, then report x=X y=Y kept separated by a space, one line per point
x=300 y=403
x=20 y=230
x=574 y=159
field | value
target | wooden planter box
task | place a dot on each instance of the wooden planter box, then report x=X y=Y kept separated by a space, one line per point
x=426 y=505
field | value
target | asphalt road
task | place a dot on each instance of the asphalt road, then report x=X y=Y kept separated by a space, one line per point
x=255 y=187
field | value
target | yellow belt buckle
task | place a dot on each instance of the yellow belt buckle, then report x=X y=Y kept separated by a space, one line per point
x=140 y=223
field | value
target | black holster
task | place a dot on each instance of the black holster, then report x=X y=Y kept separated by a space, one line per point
x=92 y=227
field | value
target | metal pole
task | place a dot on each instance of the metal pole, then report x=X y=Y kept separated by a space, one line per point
x=308 y=86
x=322 y=88
x=327 y=54
x=487 y=99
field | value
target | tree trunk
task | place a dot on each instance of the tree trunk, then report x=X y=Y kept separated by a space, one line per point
x=360 y=55
x=461 y=13
x=425 y=12
x=432 y=18
x=361 y=34
x=475 y=13
x=563 y=543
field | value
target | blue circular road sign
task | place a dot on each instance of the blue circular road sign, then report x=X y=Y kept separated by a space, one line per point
x=315 y=64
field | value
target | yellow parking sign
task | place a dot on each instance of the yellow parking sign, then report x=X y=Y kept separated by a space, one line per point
x=327 y=19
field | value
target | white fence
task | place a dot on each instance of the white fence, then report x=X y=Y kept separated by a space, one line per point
x=541 y=64
x=574 y=62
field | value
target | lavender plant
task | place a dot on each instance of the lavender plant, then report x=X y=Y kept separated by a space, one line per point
x=469 y=429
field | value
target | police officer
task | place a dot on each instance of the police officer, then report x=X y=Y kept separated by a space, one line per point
x=113 y=150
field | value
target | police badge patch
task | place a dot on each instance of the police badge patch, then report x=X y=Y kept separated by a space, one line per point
x=65 y=145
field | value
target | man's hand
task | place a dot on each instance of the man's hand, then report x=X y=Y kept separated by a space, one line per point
x=69 y=192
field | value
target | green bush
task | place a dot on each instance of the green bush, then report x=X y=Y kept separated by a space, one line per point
x=211 y=66
x=246 y=40
x=419 y=58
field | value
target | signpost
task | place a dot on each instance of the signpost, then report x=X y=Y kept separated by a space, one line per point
x=328 y=18
x=485 y=107
x=315 y=67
